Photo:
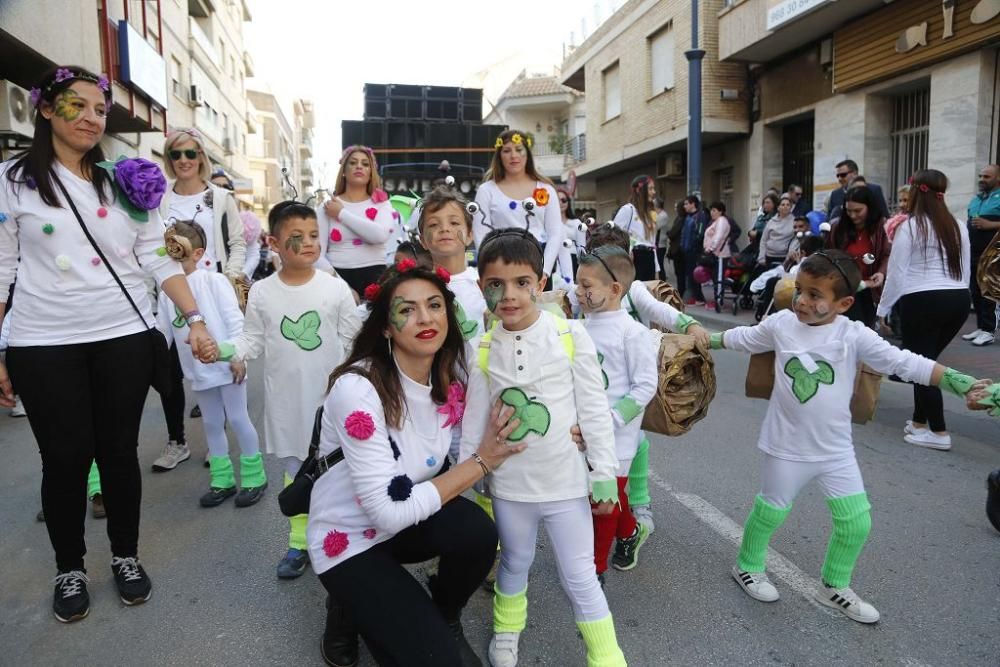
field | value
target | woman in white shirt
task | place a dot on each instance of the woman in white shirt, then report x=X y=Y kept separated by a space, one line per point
x=81 y=349
x=638 y=218
x=393 y=500
x=511 y=180
x=576 y=237
x=928 y=276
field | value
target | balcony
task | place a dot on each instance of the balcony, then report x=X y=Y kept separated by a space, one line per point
x=305 y=150
x=248 y=63
x=201 y=47
x=551 y=160
x=200 y=8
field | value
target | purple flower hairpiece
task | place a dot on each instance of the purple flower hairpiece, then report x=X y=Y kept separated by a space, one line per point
x=64 y=74
x=103 y=83
x=36 y=96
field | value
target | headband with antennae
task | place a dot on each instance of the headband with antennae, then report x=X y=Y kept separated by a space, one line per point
x=291 y=186
x=836 y=265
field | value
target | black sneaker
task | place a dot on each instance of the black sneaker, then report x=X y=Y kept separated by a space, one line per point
x=250 y=495
x=216 y=497
x=195 y=412
x=134 y=586
x=626 y=554
x=71 y=602
x=993 y=498
x=339 y=646
x=465 y=652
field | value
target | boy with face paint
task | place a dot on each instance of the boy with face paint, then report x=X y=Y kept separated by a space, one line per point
x=303 y=321
x=627 y=353
x=806 y=433
x=547 y=369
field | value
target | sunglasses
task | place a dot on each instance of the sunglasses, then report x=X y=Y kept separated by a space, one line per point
x=843 y=174
x=190 y=154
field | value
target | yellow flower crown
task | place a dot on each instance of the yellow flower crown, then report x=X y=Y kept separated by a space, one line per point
x=516 y=139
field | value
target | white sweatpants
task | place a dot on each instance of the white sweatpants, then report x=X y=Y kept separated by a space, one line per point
x=222 y=404
x=781 y=480
x=570 y=528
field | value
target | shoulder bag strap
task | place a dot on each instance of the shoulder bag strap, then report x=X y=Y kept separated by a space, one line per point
x=97 y=249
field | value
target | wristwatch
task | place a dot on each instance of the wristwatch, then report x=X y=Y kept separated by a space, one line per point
x=194 y=319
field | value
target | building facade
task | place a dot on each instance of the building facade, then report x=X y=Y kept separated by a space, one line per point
x=272 y=152
x=303 y=123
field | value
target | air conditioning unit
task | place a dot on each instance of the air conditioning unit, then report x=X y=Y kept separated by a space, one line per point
x=16 y=112
x=227 y=145
x=196 y=96
x=670 y=165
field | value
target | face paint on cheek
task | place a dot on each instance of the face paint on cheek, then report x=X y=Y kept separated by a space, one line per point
x=594 y=305
x=822 y=308
x=64 y=107
x=493 y=295
x=534 y=295
x=397 y=318
x=294 y=243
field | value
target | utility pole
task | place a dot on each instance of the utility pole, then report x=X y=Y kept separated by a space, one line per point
x=694 y=56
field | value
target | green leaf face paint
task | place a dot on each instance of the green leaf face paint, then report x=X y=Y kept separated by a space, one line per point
x=65 y=105
x=294 y=243
x=534 y=416
x=493 y=295
x=397 y=318
x=303 y=331
x=806 y=384
x=469 y=327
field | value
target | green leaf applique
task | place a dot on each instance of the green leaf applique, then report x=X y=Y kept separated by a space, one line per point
x=180 y=320
x=303 y=331
x=469 y=328
x=534 y=416
x=604 y=376
x=806 y=384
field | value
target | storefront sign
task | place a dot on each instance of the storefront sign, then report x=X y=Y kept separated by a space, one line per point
x=783 y=11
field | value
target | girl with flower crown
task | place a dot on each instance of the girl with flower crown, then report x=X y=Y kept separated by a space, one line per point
x=512 y=180
x=638 y=218
x=356 y=225
x=81 y=234
x=391 y=409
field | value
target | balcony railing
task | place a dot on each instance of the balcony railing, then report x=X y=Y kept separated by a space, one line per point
x=573 y=149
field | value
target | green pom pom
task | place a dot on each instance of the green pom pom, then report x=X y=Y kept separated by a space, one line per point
x=162 y=252
x=48 y=228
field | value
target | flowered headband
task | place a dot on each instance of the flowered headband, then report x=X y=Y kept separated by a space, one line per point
x=517 y=139
x=66 y=74
x=190 y=131
x=356 y=148
x=641 y=184
x=923 y=187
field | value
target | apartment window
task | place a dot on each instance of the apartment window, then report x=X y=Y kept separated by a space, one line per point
x=661 y=60
x=175 y=77
x=908 y=135
x=612 y=92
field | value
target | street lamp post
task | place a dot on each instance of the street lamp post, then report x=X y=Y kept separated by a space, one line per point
x=694 y=56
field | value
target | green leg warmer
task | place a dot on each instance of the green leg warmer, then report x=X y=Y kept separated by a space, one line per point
x=852 y=521
x=252 y=471
x=638 y=476
x=764 y=519
x=486 y=503
x=93 y=480
x=297 y=526
x=602 y=645
x=221 y=470
x=510 y=612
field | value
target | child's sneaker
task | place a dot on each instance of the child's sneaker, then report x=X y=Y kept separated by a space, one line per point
x=71 y=602
x=250 y=495
x=134 y=586
x=848 y=602
x=215 y=496
x=503 y=649
x=644 y=515
x=756 y=585
x=626 y=554
x=171 y=455
x=293 y=564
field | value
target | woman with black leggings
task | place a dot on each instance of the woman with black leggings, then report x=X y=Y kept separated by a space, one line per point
x=928 y=275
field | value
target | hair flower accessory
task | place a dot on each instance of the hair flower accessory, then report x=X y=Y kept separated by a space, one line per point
x=454 y=407
x=103 y=83
x=516 y=139
x=541 y=196
x=405 y=265
x=923 y=187
x=64 y=74
x=371 y=292
x=498 y=143
x=139 y=185
x=443 y=274
x=379 y=196
x=35 y=95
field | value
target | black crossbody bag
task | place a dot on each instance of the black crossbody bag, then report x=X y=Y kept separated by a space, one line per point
x=294 y=498
x=161 y=381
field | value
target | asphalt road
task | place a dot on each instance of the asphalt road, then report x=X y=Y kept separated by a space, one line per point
x=931 y=565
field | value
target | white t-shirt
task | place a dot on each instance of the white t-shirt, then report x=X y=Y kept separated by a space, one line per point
x=498 y=211
x=193 y=207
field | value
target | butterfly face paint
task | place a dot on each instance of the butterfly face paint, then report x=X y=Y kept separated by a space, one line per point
x=69 y=105
x=493 y=294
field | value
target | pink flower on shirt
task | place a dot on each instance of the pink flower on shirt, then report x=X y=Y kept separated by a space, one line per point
x=379 y=196
x=369 y=533
x=454 y=407
x=335 y=543
x=359 y=425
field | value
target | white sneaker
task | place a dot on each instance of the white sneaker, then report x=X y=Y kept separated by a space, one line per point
x=910 y=429
x=756 y=585
x=972 y=334
x=847 y=601
x=503 y=649
x=18 y=409
x=984 y=338
x=930 y=440
x=644 y=515
x=172 y=454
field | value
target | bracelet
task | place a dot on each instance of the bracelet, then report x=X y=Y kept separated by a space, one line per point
x=194 y=319
x=191 y=313
x=482 y=464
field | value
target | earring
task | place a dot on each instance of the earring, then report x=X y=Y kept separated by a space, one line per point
x=388 y=342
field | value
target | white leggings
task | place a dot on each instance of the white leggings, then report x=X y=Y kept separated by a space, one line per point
x=781 y=480
x=570 y=528
x=227 y=403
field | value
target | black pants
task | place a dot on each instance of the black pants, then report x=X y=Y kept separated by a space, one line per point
x=645 y=263
x=661 y=257
x=863 y=308
x=680 y=273
x=173 y=403
x=84 y=403
x=929 y=321
x=986 y=310
x=359 y=279
x=690 y=263
x=400 y=624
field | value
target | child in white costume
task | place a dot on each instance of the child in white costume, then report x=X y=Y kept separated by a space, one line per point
x=218 y=387
x=627 y=352
x=302 y=320
x=806 y=433
x=547 y=369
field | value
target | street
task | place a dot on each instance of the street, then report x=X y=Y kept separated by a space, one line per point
x=930 y=566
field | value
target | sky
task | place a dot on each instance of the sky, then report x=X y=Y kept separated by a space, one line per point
x=326 y=51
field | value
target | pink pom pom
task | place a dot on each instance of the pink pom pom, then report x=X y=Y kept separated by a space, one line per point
x=701 y=275
x=95 y=261
x=357 y=242
x=395 y=215
x=359 y=425
x=102 y=212
x=335 y=543
x=379 y=196
x=335 y=235
x=369 y=533
x=371 y=212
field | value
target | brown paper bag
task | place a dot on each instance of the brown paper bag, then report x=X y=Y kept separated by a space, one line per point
x=686 y=386
x=666 y=293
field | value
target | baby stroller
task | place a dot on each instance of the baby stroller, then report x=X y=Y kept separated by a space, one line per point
x=742 y=265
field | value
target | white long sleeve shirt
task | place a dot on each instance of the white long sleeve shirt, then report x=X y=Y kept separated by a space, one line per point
x=534 y=362
x=627 y=352
x=65 y=294
x=498 y=211
x=809 y=416
x=916 y=266
x=359 y=237
x=217 y=303
x=303 y=331
x=351 y=508
x=628 y=219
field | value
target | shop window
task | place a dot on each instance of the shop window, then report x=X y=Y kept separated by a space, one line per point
x=908 y=136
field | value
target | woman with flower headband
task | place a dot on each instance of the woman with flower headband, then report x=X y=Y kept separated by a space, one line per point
x=638 y=218
x=80 y=234
x=928 y=278
x=511 y=180
x=393 y=500
x=192 y=196
x=356 y=224
x=860 y=232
